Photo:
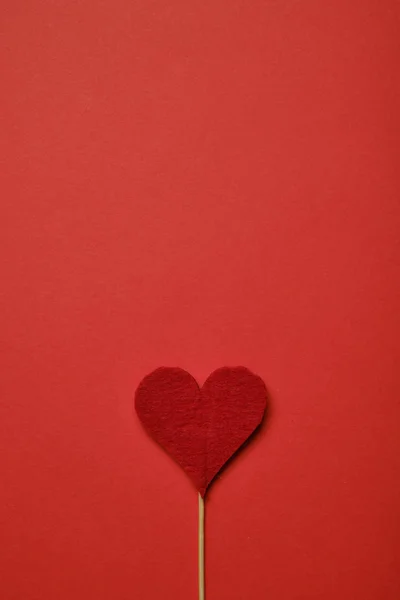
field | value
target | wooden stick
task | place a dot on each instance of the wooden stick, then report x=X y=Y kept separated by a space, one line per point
x=201 y=549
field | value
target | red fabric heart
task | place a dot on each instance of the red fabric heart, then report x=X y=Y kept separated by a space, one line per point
x=201 y=428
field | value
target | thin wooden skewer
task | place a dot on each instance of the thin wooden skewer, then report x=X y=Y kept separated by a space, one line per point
x=201 y=549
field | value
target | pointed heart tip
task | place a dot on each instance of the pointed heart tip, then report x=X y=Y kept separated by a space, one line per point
x=202 y=492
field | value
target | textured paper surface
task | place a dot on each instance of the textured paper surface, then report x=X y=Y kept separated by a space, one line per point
x=199 y=183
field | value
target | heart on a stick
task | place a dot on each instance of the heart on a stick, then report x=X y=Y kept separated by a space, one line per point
x=201 y=428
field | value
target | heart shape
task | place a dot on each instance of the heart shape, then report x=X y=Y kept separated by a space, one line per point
x=201 y=428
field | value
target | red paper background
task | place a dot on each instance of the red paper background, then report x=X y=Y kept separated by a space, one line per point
x=200 y=183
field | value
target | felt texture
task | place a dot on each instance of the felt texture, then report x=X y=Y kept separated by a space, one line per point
x=201 y=428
